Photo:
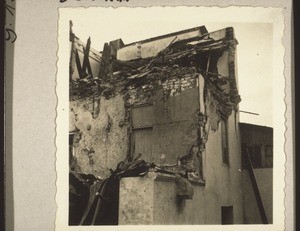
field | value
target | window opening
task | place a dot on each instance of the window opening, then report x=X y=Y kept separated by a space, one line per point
x=224 y=134
x=227 y=215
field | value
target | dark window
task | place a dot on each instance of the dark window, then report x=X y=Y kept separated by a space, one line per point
x=227 y=215
x=224 y=134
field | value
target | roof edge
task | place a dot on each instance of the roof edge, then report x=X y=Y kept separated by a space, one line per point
x=202 y=29
x=255 y=125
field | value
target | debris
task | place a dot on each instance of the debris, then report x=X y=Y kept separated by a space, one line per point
x=138 y=156
x=175 y=60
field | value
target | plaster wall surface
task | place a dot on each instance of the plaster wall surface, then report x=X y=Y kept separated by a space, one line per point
x=175 y=130
x=175 y=125
x=175 y=104
x=99 y=143
x=169 y=210
x=136 y=203
x=223 y=184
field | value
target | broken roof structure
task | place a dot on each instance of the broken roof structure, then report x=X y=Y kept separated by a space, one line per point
x=141 y=63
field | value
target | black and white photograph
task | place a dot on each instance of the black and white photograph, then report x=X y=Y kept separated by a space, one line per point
x=169 y=116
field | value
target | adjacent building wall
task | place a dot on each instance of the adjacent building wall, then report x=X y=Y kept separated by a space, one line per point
x=254 y=135
x=158 y=204
x=173 y=119
x=222 y=180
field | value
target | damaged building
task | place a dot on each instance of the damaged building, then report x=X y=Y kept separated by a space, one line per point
x=154 y=134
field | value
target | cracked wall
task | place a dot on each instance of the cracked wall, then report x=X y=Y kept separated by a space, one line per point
x=102 y=143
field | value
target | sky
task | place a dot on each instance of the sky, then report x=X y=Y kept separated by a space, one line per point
x=254 y=35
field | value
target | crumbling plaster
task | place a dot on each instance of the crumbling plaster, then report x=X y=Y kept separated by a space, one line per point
x=176 y=104
x=102 y=135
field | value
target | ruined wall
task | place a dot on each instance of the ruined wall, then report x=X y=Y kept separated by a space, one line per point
x=100 y=141
x=188 y=101
x=223 y=182
x=176 y=125
x=169 y=210
x=175 y=105
x=150 y=48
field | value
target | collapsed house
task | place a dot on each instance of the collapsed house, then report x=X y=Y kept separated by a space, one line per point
x=172 y=102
